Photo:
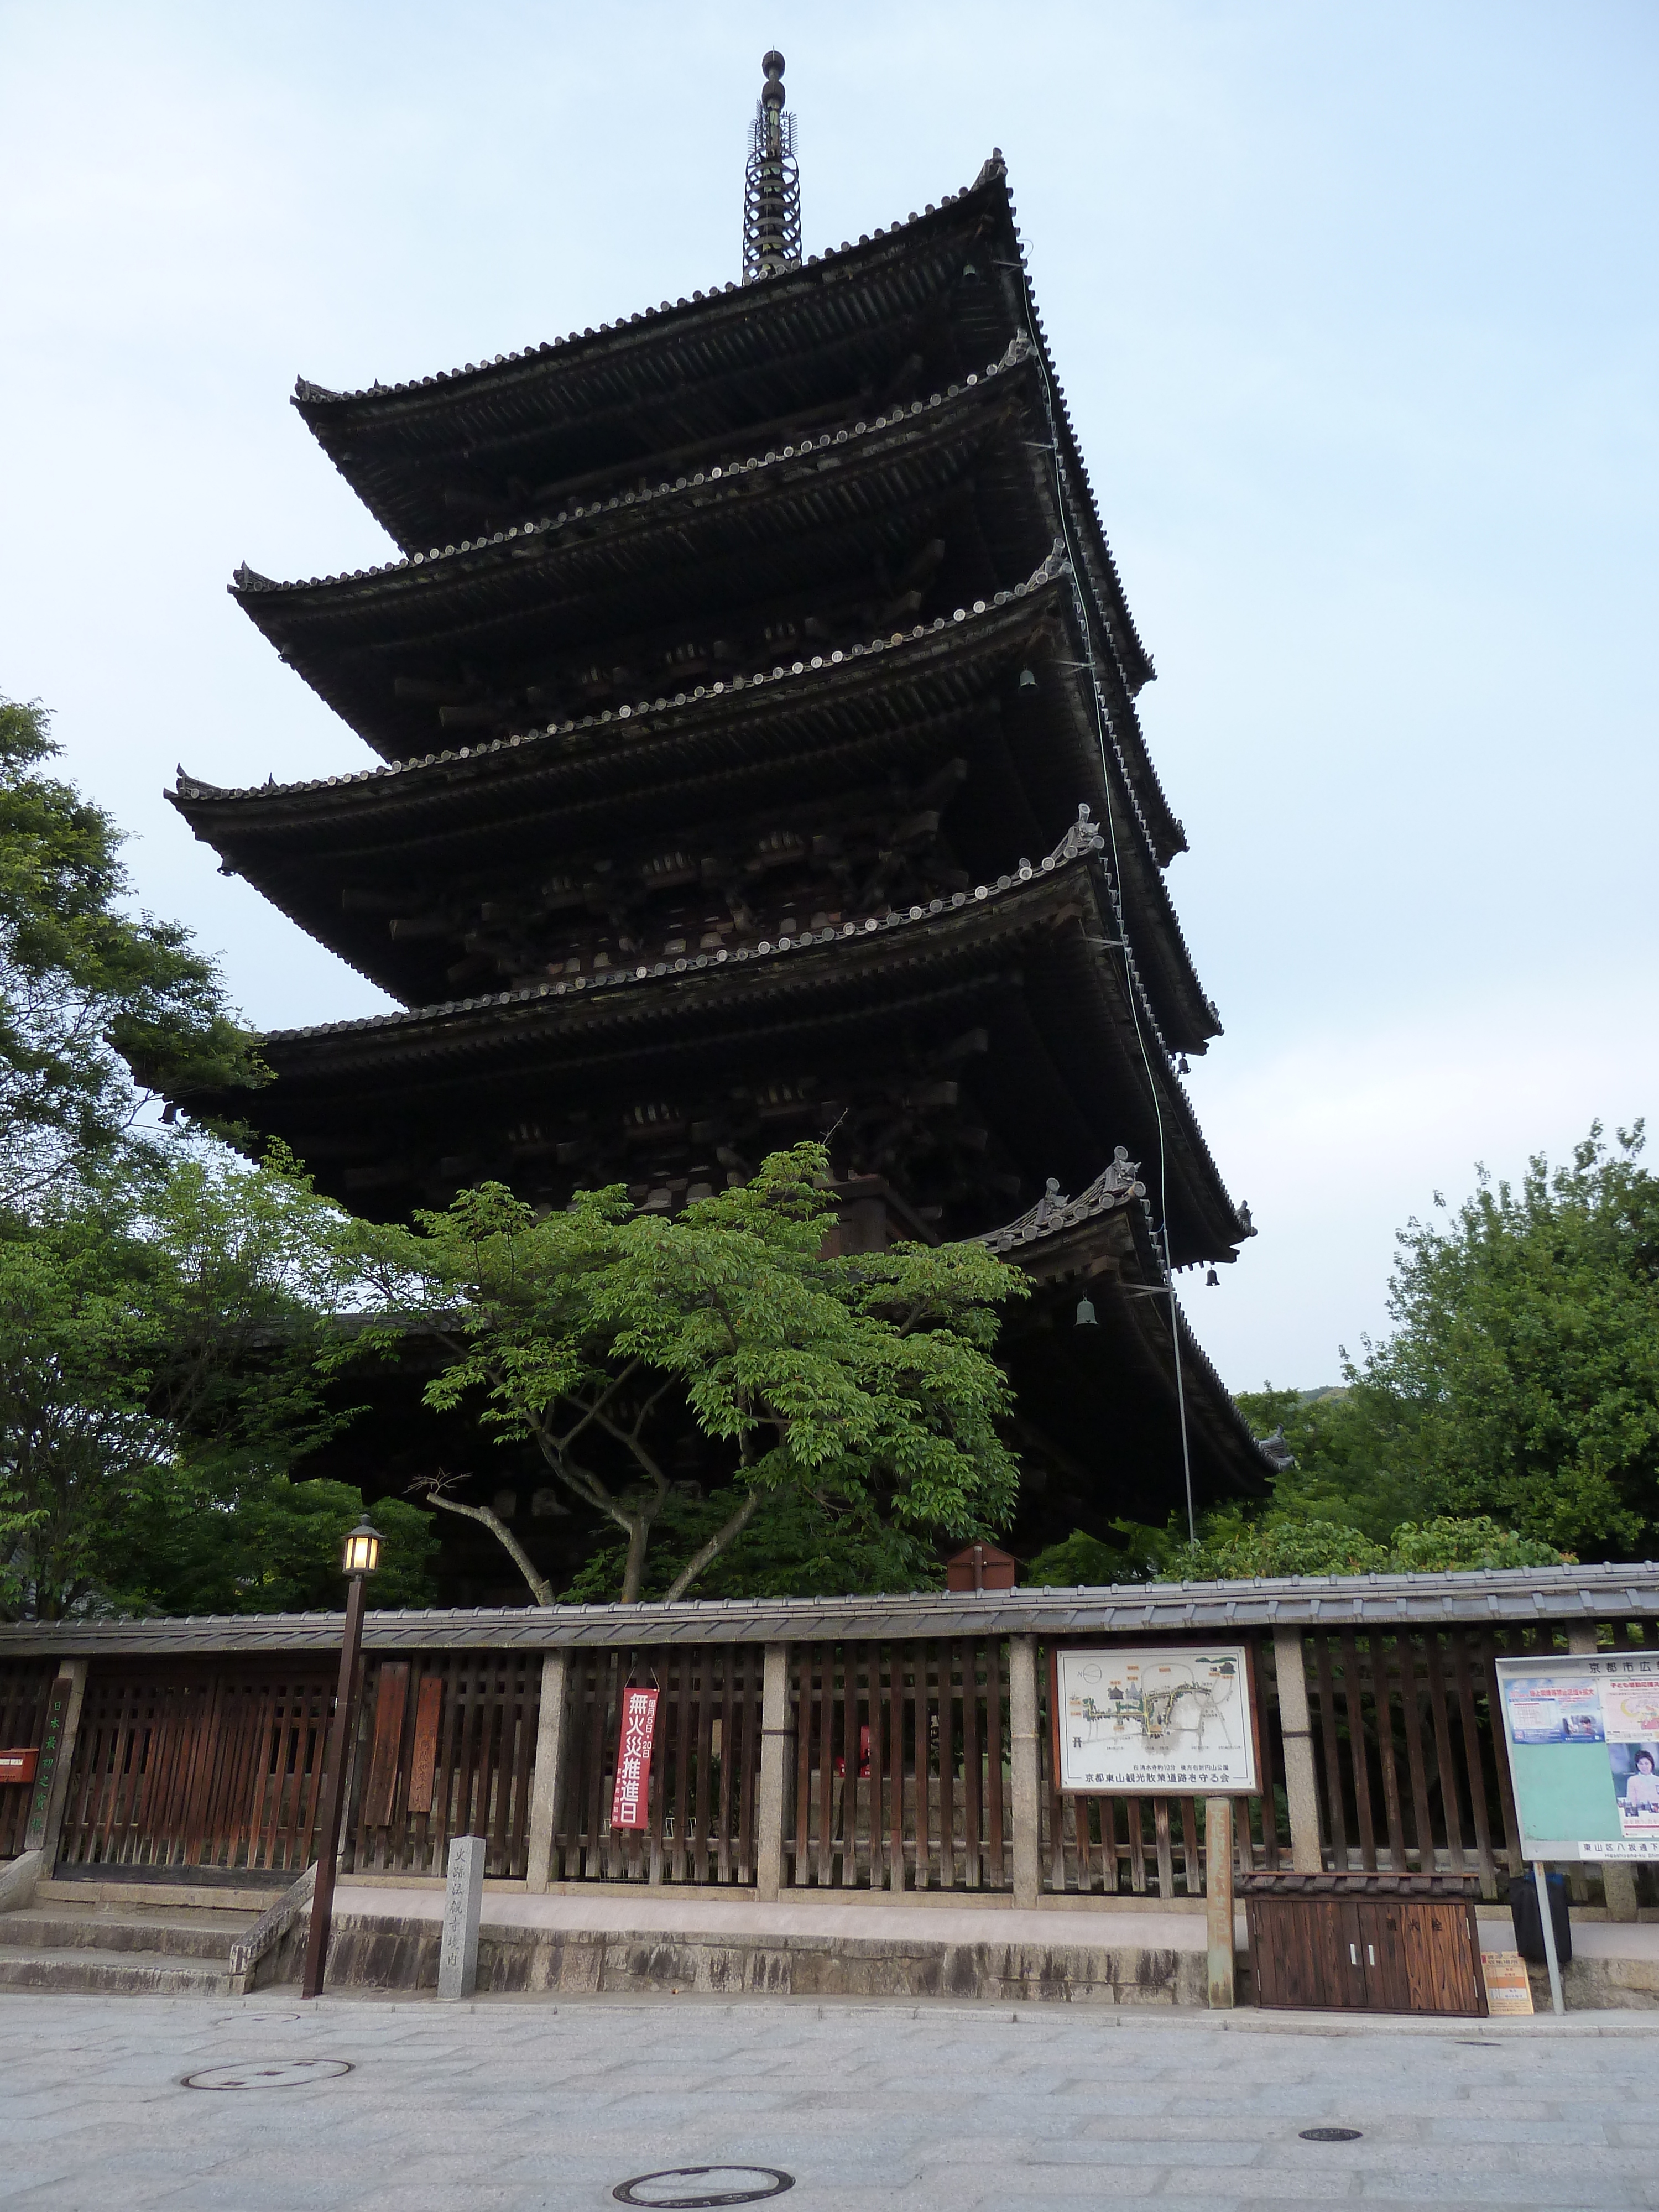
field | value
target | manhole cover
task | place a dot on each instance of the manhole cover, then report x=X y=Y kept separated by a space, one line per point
x=689 y=2186
x=268 y=2073
x=1330 y=2135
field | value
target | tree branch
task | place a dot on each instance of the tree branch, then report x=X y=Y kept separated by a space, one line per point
x=593 y=1411
x=427 y=1486
x=630 y=1438
x=717 y=1543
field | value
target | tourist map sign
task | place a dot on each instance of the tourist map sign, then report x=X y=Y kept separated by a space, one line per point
x=1583 y=1738
x=1171 y=1722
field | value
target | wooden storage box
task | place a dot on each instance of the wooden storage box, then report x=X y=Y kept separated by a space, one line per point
x=1366 y=1942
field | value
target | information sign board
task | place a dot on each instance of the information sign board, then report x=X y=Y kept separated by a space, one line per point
x=1175 y=1720
x=1583 y=1738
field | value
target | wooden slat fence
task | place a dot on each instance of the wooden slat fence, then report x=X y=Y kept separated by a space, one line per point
x=25 y=1686
x=705 y=1767
x=447 y=1745
x=921 y=1800
x=191 y=1766
x=899 y=1764
x=1410 y=1773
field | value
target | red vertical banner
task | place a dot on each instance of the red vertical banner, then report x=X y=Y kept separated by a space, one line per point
x=630 y=1799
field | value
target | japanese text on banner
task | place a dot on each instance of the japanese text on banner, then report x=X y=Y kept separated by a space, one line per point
x=630 y=1799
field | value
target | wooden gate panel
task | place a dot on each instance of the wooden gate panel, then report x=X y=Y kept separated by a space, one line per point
x=1442 y=1945
x=25 y=1691
x=1382 y=1939
x=1308 y=1954
x=182 y=1766
x=448 y=1744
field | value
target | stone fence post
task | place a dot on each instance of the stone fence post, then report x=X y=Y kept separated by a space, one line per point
x=458 y=1949
x=46 y=1820
x=1026 y=1809
x=547 y=1779
x=775 y=1735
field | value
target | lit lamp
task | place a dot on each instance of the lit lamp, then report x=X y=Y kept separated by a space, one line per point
x=362 y=1550
x=358 y=1558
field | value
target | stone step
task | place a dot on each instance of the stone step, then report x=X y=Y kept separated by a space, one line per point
x=80 y=1972
x=170 y=1895
x=205 y=1935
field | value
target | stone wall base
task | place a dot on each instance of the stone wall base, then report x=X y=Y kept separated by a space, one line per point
x=1599 y=1985
x=383 y=1952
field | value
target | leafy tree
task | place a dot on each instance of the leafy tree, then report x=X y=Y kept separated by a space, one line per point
x=860 y=1385
x=1341 y=1475
x=800 y=1545
x=82 y=983
x=1522 y=1376
x=262 y=1543
x=161 y=1331
x=1231 y=1548
x=1521 y=1383
x=162 y=1309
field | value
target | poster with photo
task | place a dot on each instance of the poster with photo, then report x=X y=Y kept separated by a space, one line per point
x=1636 y=1785
x=1554 y=1709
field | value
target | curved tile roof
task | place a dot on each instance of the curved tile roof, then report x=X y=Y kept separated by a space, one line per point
x=1544 y=1597
x=642 y=710
x=611 y=721
x=506 y=1020
x=1082 y=838
x=248 y=583
x=319 y=404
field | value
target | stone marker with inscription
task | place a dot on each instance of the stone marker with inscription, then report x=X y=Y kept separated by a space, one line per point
x=458 y=1959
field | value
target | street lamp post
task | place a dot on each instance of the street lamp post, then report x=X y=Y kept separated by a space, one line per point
x=360 y=1559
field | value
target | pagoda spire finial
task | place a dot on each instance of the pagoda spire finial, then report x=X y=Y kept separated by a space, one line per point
x=771 y=196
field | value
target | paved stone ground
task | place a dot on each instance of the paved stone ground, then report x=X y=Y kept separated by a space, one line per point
x=530 y=2106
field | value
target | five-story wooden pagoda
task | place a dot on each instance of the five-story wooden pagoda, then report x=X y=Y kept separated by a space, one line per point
x=757 y=695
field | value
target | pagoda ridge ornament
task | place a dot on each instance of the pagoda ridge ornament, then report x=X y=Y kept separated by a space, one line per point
x=771 y=191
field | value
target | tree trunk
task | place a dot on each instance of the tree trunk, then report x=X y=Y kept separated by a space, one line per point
x=639 y=1532
x=717 y=1543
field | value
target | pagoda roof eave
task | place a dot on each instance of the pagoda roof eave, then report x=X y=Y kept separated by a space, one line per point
x=524 y=381
x=256 y=828
x=482 y=395
x=961 y=934
x=942 y=417
x=1104 y=1243
x=550 y=584
x=1008 y=617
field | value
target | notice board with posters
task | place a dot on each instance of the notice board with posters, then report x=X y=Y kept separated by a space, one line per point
x=1173 y=1720
x=1583 y=1738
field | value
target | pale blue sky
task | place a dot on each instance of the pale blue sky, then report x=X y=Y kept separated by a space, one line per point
x=1355 y=309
